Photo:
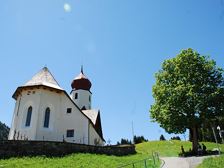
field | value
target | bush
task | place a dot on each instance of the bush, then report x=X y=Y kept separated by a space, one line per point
x=139 y=139
x=162 y=138
x=175 y=138
x=124 y=141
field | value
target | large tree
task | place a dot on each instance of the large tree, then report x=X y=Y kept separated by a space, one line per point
x=189 y=92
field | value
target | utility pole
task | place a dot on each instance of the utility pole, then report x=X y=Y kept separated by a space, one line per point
x=213 y=130
x=132 y=127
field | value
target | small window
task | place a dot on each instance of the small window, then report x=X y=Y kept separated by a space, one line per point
x=28 y=117
x=47 y=117
x=69 y=110
x=89 y=98
x=70 y=133
x=76 y=95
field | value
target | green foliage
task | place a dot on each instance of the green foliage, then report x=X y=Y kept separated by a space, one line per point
x=213 y=162
x=175 y=138
x=189 y=92
x=124 y=142
x=4 y=131
x=206 y=134
x=162 y=138
x=139 y=139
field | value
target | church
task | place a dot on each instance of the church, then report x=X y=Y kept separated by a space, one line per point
x=46 y=112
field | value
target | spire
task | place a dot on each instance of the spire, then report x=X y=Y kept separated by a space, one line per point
x=82 y=69
x=81 y=81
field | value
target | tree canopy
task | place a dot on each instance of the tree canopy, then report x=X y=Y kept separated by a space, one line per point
x=139 y=139
x=4 y=131
x=189 y=91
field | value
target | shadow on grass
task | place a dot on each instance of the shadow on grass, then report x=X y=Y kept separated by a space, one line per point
x=206 y=153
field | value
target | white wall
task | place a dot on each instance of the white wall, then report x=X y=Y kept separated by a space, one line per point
x=60 y=121
x=27 y=99
x=94 y=136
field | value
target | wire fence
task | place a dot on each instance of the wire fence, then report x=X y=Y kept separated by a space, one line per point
x=151 y=162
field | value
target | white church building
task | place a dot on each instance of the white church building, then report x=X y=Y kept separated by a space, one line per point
x=44 y=111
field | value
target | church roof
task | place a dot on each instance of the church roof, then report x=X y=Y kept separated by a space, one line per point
x=42 y=78
x=81 y=82
x=94 y=117
x=91 y=114
x=45 y=78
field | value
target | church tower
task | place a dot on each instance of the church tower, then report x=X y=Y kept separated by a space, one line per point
x=81 y=93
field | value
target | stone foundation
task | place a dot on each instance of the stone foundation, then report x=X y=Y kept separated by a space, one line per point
x=17 y=148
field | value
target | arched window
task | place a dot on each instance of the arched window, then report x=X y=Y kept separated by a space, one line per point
x=76 y=95
x=28 y=117
x=47 y=117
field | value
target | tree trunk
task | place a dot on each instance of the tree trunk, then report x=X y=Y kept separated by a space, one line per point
x=194 y=140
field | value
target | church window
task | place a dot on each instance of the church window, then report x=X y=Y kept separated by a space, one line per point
x=28 y=117
x=83 y=108
x=89 y=98
x=70 y=133
x=76 y=95
x=47 y=117
x=69 y=110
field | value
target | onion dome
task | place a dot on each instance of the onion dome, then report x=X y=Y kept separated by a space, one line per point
x=81 y=82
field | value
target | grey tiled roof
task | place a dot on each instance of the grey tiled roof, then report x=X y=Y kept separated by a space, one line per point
x=43 y=77
x=91 y=114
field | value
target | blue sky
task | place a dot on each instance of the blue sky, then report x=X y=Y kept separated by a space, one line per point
x=121 y=43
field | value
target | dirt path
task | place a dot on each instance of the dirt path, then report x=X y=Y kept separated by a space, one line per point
x=175 y=162
x=178 y=162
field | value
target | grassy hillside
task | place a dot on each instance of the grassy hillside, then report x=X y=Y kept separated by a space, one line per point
x=170 y=148
x=81 y=161
x=144 y=150
x=214 y=162
x=75 y=161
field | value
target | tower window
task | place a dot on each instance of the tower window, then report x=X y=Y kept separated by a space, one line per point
x=76 y=95
x=89 y=98
x=70 y=133
x=69 y=110
x=47 y=117
x=28 y=117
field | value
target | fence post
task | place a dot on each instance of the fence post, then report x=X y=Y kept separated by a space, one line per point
x=153 y=158
x=157 y=156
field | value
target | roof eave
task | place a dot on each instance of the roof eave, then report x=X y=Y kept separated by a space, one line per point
x=15 y=94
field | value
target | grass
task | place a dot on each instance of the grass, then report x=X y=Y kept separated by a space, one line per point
x=170 y=148
x=74 y=160
x=213 y=162
x=80 y=160
x=144 y=150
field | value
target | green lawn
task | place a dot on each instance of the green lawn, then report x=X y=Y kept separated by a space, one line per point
x=81 y=161
x=214 y=162
x=75 y=160
x=144 y=150
x=170 y=148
